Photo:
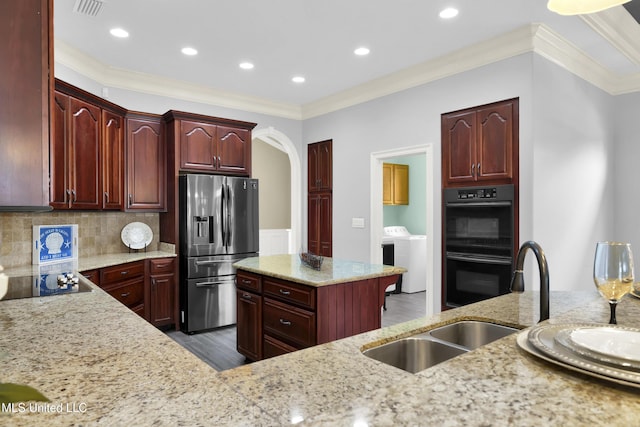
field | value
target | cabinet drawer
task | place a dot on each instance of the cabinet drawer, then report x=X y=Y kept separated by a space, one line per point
x=304 y=296
x=92 y=276
x=162 y=266
x=118 y=273
x=248 y=281
x=129 y=293
x=290 y=323
x=273 y=347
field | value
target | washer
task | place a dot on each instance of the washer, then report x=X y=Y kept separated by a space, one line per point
x=410 y=252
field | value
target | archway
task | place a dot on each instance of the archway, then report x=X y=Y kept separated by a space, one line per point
x=281 y=142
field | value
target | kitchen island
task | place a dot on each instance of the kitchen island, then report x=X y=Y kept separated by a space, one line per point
x=100 y=364
x=284 y=305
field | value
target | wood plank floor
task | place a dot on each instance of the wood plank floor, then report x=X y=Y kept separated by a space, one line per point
x=218 y=347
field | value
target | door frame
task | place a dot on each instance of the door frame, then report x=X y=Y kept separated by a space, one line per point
x=376 y=214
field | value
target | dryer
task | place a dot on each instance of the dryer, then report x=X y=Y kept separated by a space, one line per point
x=410 y=252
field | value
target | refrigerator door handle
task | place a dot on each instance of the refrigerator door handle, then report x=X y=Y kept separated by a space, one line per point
x=219 y=261
x=210 y=284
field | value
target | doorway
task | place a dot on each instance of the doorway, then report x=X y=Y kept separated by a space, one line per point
x=376 y=214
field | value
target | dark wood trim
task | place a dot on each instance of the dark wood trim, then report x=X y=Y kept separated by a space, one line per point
x=182 y=115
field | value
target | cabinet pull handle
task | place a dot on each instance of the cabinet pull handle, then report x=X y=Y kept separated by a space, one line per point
x=478 y=169
x=473 y=169
x=285 y=322
x=283 y=292
x=75 y=196
x=161 y=265
x=246 y=281
x=124 y=272
x=130 y=199
x=246 y=295
x=106 y=197
x=125 y=295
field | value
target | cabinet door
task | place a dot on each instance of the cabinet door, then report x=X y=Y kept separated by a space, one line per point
x=320 y=169
x=325 y=223
x=234 y=150
x=313 y=224
x=85 y=172
x=26 y=67
x=495 y=142
x=459 y=147
x=112 y=160
x=249 y=324
x=146 y=169
x=198 y=146
x=162 y=299
x=387 y=184
x=400 y=184
x=59 y=150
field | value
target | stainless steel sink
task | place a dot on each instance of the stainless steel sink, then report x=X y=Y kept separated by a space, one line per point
x=471 y=334
x=419 y=352
x=414 y=354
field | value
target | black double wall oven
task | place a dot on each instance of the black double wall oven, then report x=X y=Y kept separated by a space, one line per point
x=479 y=233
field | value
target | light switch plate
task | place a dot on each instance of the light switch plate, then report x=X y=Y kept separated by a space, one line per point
x=357 y=222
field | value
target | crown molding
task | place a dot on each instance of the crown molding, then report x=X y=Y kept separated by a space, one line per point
x=537 y=38
x=109 y=76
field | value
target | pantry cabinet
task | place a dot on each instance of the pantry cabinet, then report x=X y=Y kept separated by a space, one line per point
x=320 y=164
x=480 y=145
x=395 y=184
x=320 y=198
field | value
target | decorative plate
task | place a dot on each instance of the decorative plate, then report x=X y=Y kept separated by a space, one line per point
x=609 y=342
x=136 y=235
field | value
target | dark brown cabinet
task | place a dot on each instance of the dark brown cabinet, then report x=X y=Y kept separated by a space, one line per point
x=210 y=144
x=320 y=163
x=480 y=144
x=125 y=283
x=146 y=163
x=276 y=316
x=112 y=160
x=249 y=316
x=320 y=211
x=162 y=292
x=320 y=198
x=76 y=180
x=26 y=67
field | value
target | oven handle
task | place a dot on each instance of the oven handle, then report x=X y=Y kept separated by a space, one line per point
x=457 y=256
x=478 y=204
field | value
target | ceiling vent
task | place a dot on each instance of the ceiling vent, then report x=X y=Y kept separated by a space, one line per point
x=88 y=7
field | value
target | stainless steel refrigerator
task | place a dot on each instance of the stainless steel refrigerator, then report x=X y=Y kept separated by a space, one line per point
x=218 y=227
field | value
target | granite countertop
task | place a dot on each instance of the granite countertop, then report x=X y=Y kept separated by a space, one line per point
x=333 y=270
x=101 y=364
x=89 y=263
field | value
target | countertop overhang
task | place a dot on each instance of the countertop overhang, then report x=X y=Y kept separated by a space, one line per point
x=332 y=271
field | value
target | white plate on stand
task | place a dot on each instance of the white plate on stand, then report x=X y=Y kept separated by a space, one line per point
x=136 y=235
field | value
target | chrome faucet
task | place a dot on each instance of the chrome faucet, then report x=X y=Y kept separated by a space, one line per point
x=517 y=280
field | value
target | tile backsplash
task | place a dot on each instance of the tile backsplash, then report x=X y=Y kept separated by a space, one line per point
x=98 y=232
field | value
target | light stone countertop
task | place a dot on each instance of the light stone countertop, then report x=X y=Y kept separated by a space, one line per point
x=332 y=271
x=89 y=353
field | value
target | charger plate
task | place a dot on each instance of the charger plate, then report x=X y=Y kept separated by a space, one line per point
x=541 y=342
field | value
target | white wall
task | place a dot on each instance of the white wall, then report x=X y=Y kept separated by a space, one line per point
x=573 y=174
x=626 y=202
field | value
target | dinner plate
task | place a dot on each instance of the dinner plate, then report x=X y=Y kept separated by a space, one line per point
x=522 y=339
x=564 y=339
x=136 y=235
x=543 y=338
x=609 y=342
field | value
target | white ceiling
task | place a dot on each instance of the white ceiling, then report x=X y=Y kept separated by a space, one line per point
x=317 y=38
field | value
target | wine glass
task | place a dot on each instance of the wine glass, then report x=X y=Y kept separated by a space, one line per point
x=613 y=272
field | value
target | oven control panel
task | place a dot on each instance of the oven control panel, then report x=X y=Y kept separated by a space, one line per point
x=478 y=193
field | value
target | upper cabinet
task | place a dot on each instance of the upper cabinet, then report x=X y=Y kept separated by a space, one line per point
x=87 y=151
x=26 y=67
x=320 y=164
x=146 y=163
x=480 y=145
x=210 y=144
x=395 y=184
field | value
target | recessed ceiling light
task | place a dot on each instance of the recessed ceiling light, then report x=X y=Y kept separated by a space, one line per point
x=448 y=13
x=361 y=51
x=119 y=32
x=298 y=79
x=189 y=51
x=246 y=65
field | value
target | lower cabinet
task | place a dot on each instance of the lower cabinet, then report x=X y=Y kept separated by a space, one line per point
x=276 y=316
x=147 y=287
